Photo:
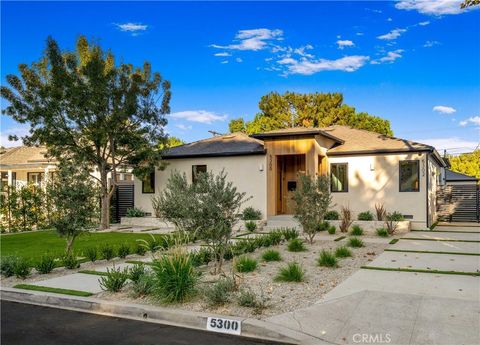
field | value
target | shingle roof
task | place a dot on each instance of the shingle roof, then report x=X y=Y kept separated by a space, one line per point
x=359 y=140
x=235 y=144
x=25 y=155
x=296 y=131
x=456 y=176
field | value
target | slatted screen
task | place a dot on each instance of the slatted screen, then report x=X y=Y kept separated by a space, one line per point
x=122 y=200
x=459 y=203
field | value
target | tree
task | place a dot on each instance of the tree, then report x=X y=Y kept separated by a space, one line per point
x=75 y=200
x=207 y=208
x=174 y=141
x=307 y=110
x=312 y=200
x=467 y=163
x=468 y=3
x=83 y=106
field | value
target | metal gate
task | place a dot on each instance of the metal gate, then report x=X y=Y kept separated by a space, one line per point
x=459 y=203
x=122 y=200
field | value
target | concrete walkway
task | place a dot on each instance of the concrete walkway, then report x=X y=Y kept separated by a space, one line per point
x=405 y=307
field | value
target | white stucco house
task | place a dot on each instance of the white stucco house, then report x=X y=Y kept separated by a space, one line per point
x=365 y=169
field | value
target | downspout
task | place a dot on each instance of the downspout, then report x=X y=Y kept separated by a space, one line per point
x=427 y=192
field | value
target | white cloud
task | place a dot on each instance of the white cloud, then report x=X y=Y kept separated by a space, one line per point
x=394 y=34
x=389 y=19
x=475 y=120
x=133 y=28
x=359 y=33
x=224 y=62
x=451 y=144
x=223 y=54
x=431 y=7
x=238 y=60
x=183 y=127
x=429 y=44
x=201 y=116
x=389 y=57
x=309 y=67
x=302 y=50
x=345 y=43
x=254 y=39
x=18 y=130
x=424 y=23
x=444 y=109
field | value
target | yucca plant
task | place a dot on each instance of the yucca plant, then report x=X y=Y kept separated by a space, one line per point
x=382 y=232
x=175 y=276
x=136 y=272
x=296 y=245
x=327 y=259
x=123 y=250
x=114 y=280
x=355 y=242
x=45 y=264
x=246 y=264
x=271 y=255
x=342 y=252
x=107 y=251
x=91 y=253
x=293 y=272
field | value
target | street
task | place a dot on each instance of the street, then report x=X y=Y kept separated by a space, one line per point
x=30 y=324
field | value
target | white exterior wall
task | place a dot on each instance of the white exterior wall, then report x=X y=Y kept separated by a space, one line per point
x=246 y=172
x=375 y=179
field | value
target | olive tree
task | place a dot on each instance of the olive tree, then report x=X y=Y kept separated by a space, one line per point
x=207 y=208
x=312 y=201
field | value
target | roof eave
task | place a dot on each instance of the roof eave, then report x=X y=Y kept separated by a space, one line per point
x=368 y=152
x=216 y=154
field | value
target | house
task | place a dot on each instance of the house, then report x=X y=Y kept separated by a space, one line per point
x=456 y=178
x=365 y=169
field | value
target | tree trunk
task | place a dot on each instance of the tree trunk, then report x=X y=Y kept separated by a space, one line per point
x=70 y=240
x=104 y=201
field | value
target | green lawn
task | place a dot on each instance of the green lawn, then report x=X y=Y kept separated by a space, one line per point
x=32 y=245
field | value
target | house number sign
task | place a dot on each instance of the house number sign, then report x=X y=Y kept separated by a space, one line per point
x=221 y=325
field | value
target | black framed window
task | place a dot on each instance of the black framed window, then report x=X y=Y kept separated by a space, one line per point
x=4 y=180
x=35 y=178
x=339 y=177
x=410 y=176
x=196 y=169
x=148 y=183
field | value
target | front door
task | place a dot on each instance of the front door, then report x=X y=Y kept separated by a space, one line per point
x=289 y=169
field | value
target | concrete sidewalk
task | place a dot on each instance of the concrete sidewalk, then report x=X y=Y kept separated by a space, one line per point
x=470 y=227
x=437 y=235
x=437 y=246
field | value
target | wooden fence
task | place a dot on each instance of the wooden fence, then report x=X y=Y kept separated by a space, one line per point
x=459 y=203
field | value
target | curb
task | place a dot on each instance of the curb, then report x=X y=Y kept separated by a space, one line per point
x=251 y=328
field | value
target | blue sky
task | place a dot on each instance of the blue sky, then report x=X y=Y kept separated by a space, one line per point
x=414 y=63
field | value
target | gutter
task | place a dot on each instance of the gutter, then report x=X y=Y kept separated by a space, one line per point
x=216 y=154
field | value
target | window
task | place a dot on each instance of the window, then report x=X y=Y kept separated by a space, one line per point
x=148 y=183
x=4 y=180
x=196 y=169
x=339 y=177
x=410 y=176
x=35 y=178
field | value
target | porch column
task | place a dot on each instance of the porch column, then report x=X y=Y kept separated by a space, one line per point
x=10 y=177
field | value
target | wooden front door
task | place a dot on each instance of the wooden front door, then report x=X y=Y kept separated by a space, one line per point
x=289 y=168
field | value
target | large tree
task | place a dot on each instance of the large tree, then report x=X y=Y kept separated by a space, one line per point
x=467 y=163
x=307 y=110
x=85 y=107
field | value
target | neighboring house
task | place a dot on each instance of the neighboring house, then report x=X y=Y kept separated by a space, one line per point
x=456 y=178
x=365 y=169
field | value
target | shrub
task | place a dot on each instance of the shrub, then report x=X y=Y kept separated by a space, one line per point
x=143 y=286
x=219 y=293
x=276 y=237
x=114 y=280
x=152 y=244
x=140 y=250
x=136 y=272
x=382 y=232
x=332 y=230
x=107 y=251
x=248 y=298
x=356 y=231
x=7 y=266
x=175 y=276
x=263 y=241
x=246 y=264
x=22 y=268
x=346 y=219
x=91 y=253
x=123 y=250
x=343 y=252
x=355 y=242
x=271 y=255
x=392 y=220
x=251 y=226
x=380 y=212
x=327 y=259
x=45 y=264
x=293 y=272
x=296 y=245
x=70 y=261
x=323 y=226
x=289 y=233
x=250 y=213
x=135 y=212
x=202 y=257
x=367 y=215
x=332 y=215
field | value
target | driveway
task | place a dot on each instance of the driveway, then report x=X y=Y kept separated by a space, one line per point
x=415 y=306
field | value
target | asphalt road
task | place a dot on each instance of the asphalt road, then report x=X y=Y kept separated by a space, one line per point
x=30 y=324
